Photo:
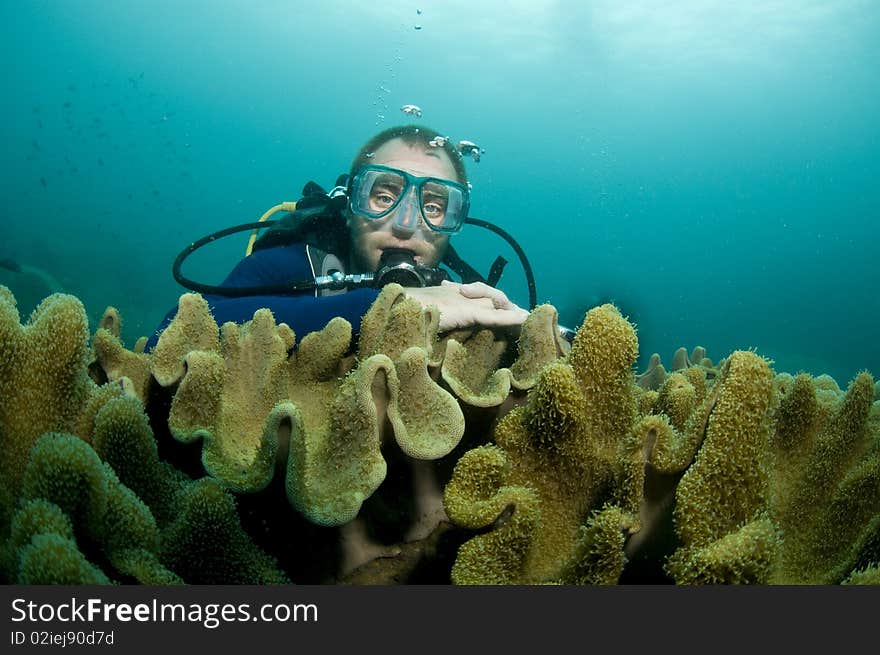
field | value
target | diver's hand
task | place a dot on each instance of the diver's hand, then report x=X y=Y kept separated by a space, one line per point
x=466 y=305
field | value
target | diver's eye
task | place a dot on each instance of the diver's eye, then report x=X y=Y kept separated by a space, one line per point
x=382 y=198
x=434 y=201
x=433 y=210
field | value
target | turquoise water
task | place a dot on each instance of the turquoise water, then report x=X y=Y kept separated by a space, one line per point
x=708 y=166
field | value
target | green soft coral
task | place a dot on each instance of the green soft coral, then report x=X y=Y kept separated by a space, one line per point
x=228 y=397
x=200 y=536
x=477 y=497
x=826 y=481
x=577 y=477
x=50 y=559
x=566 y=449
x=471 y=362
x=331 y=471
x=721 y=499
x=44 y=382
x=247 y=393
x=335 y=460
x=112 y=362
x=246 y=398
x=598 y=557
x=124 y=440
x=205 y=543
x=65 y=471
x=75 y=508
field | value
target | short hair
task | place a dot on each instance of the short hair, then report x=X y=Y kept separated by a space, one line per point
x=411 y=135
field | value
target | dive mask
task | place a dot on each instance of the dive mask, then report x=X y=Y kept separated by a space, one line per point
x=377 y=191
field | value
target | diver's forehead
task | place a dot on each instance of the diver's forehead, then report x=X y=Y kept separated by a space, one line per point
x=415 y=158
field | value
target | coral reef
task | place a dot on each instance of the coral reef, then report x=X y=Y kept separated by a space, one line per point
x=155 y=528
x=239 y=391
x=825 y=482
x=80 y=465
x=44 y=383
x=727 y=476
x=720 y=501
x=243 y=454
x=112 y=362
x=557 y=458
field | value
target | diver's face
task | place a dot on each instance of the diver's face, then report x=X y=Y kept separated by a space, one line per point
x=369 y=238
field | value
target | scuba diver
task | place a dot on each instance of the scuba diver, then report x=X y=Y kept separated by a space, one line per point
x=389 y=220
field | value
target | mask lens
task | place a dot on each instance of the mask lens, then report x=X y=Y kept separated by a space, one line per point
x=377 y=191
x=442 y=206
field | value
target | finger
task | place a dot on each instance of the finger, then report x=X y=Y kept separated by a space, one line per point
x=500 y=317
x=476 y=289
x=481 y=290
x=483 y=302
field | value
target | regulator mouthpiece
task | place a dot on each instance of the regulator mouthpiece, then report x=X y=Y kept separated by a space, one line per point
x=399 y=265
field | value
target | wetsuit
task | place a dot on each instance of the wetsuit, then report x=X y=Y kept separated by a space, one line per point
x=303 y=311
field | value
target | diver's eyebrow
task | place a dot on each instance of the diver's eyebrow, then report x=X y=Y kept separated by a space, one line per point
x=389 y=179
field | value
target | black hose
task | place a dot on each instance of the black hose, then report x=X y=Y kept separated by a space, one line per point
x=292 y=287
x=234 y=292
x=530 y=277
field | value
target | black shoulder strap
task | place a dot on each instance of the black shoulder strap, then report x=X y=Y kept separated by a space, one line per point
x=464 y=270
x=318 y=221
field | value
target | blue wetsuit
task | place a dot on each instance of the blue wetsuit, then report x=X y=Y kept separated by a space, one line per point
x=302 y=311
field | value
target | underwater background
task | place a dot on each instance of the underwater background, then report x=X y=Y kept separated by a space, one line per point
x=710 y=167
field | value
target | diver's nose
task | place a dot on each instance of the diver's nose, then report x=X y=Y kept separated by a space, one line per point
x=407 y=214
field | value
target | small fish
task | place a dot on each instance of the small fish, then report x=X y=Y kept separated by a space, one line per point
x=417 y=27
x=43 y=182
x=412 y=110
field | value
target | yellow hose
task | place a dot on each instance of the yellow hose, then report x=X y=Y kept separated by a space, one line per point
x=288 y=206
